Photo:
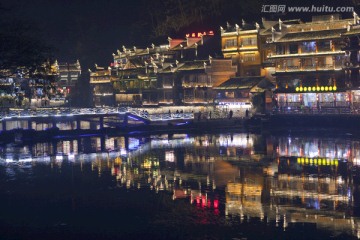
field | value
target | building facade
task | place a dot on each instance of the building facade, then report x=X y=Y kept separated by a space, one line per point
x=69 y=74
x=313 y=70
x=179 y=72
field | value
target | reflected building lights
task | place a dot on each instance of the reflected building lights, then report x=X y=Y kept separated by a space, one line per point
x=305 y=180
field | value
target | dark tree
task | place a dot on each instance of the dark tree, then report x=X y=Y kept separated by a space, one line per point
x=20 y=45
x=166 y=17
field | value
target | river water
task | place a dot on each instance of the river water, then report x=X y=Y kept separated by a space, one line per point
x=182 y=186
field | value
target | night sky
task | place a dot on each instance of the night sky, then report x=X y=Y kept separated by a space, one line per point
x=91 y=30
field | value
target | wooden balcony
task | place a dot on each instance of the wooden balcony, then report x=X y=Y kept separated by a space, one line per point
x=323 y=67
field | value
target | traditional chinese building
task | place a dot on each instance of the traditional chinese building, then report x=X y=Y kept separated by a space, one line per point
x=311 y=66
x=69 y=74
x=238 y=92
x=245 y=46
x=100 y=80
x=351 y=65
x=180 y=72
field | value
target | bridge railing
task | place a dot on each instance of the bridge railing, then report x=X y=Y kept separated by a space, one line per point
x=39 y=112
x=45 y=112
x=161 y=116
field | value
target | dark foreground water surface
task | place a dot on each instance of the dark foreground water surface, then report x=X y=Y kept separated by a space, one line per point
x=182 y=186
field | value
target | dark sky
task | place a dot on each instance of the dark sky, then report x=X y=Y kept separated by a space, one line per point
x=86 y=30
x=91 y=30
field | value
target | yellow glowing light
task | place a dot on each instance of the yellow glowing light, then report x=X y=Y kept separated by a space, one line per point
x=315 y=161
x=297 y=89
x=322 y=88
x=326 y=88
x=327 y=162
x=305 y=88
x=330 y=88
x=311 y=161
x=306 y=160
x=298 y=160
x=301 y=89
x=324 y=162
x=334 y=88
x=313 y=88
x=317 y=88
x=336 y=163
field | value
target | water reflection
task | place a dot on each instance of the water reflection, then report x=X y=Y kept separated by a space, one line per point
x=282 y=180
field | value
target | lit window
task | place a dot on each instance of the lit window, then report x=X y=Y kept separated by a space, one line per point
x=249 y=57
x=230 y=43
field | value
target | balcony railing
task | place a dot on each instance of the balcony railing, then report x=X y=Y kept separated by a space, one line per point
x=307 y=68
x=145 y=102
x=305 y=54
x=293 y=68
x=196 y=84
x=167 y=101
x=326 y=67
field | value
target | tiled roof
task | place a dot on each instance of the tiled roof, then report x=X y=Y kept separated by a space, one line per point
x=355 y=31
x=245 y=83
x=193 y=65
x=311 y=35
x=286 y=23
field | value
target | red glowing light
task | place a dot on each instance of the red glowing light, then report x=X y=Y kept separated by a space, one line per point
x=216 y=203
x=203 y=202
x=199 y=34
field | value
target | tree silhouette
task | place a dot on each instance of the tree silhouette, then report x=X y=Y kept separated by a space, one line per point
x=20 y=46
x=167 y=17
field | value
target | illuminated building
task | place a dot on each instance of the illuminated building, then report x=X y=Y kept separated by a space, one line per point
x=69 y=74
x=245 y=46
x=237 y=92
x=180 y=72
x=351 y=65
x=310 y=63
x=49 y=82
x=100 y=80
x=241 y=44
